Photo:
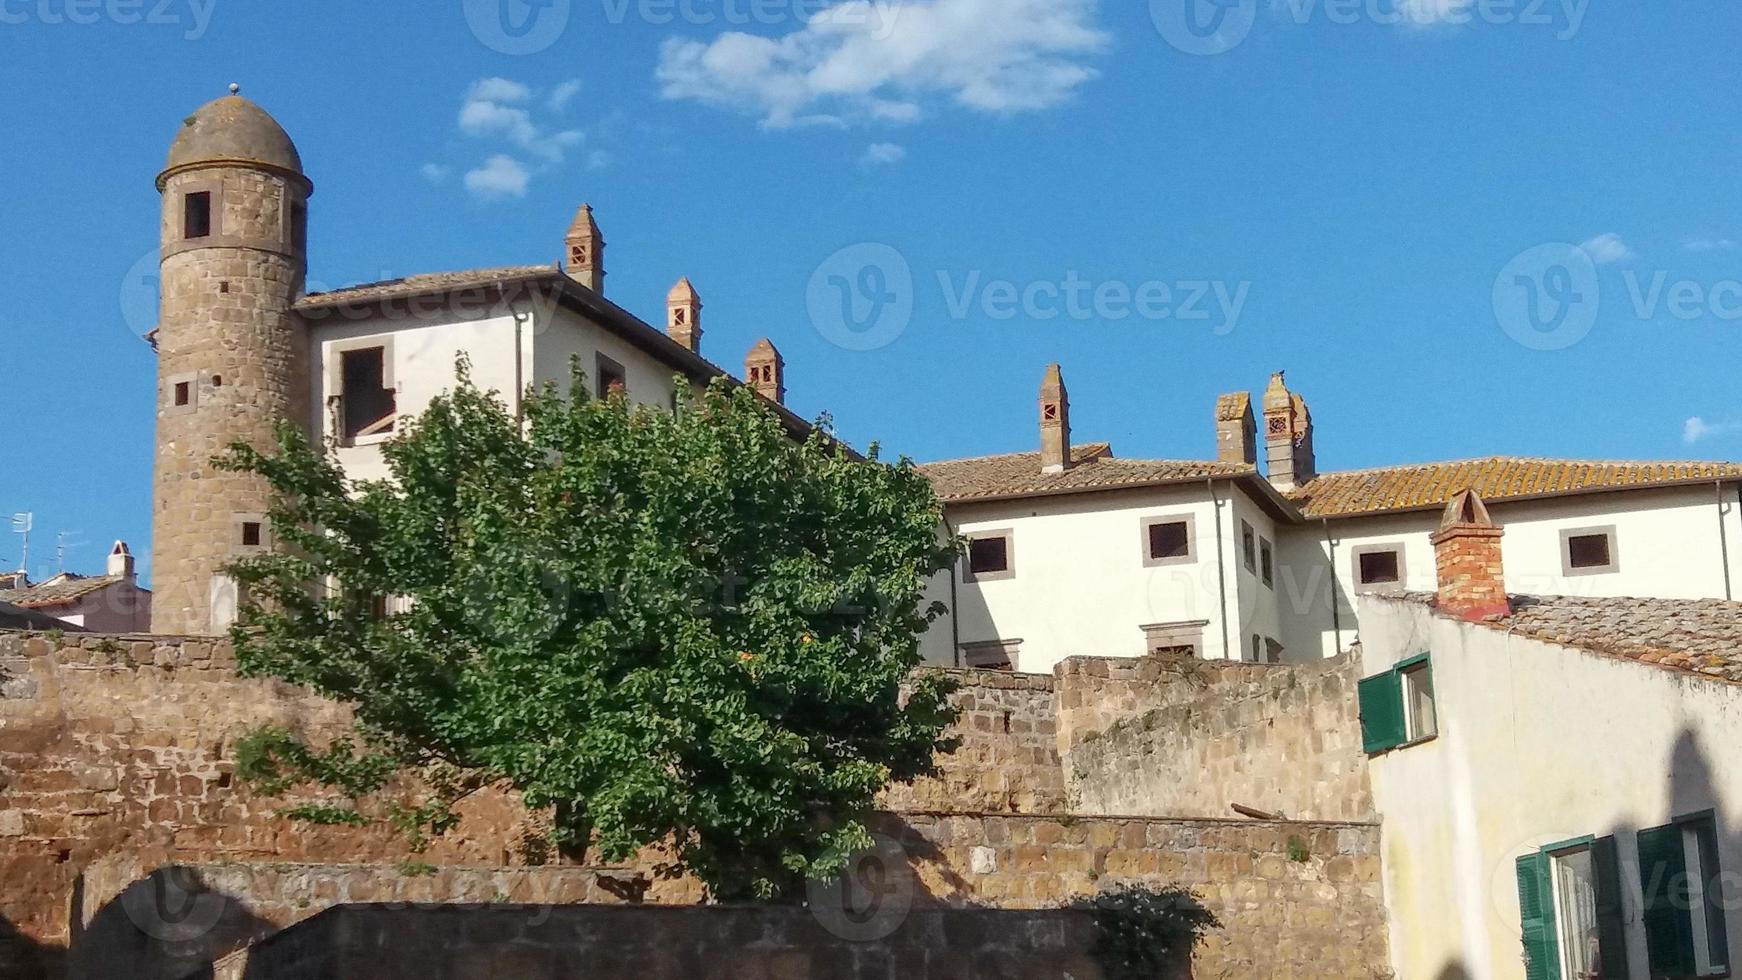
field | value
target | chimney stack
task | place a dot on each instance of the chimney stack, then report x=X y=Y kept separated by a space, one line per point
x=1288 y=436
x=120 y=561
x=586 y=251
x=765 y=370
x=1472 y=580
x=1055 y=422
x=1236 y=430
x=683 y=315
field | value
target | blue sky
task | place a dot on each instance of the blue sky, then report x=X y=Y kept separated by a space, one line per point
x=1365 y=183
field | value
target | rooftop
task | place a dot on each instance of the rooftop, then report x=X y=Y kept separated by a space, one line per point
x=1093 y=467
x=60 y=592
x=1700 y=636
x=1430 y=486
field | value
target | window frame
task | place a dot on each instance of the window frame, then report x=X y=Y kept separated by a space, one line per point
x=1607 y=531
x=208 y=199
x=1361 y=551
x=971 y=577
x=1189 y=521
x=1249 y=546
x=238 y=534
x=1267 y=562
x=1710 y=926
x=1172 y=636
x=604 y=366
x=333 y=370
x=1386 y=715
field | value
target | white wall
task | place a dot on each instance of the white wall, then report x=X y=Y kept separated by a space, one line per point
x=1668 y=543
x=506 y=356
x=1081 y=586
x=1538 y=744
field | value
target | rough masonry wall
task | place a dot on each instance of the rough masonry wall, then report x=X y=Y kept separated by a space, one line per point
x=1192 y=738
x=665 y=944
x=1008 y=759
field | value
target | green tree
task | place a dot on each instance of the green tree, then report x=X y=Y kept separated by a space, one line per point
x=680 y=627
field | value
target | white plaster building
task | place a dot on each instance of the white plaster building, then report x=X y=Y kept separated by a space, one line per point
x=1076 y=551
x=109 y=603
x=1556 y=776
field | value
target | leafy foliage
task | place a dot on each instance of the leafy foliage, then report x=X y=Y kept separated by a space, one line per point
x=1142 y=930
x=674 y=627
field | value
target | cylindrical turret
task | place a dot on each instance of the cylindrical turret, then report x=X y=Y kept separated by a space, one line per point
x=232 y=353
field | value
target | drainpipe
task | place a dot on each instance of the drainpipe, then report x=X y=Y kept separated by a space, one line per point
x=1336 y=613
x=1221 y=569
x=1724 y=539
x=955 y=602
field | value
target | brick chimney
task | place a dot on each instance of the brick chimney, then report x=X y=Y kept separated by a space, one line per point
x=586 y=251
x=765 y=370
x=1236 y=430
x=683 y=315
x=1467 y=556
x=1288 y=436
x=1055 y=422
x=120 y=561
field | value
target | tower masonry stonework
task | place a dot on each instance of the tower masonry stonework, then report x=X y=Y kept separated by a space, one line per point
x=233 y=355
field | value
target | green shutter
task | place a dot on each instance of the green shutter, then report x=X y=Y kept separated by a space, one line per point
x=1381 y=700
x=1542 y=954
x=1611 y=923
x=1663 y=879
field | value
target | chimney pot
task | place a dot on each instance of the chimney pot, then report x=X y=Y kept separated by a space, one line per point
x=765 y=370
x=1288 y=436
x=1236 y=430
x=1055 y=422
x=120 y=560
x=586 y=251
x=683 y=315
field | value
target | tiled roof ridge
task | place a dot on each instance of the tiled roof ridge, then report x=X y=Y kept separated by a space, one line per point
x=1104 y=451
x=1514 y=458
x=463 y=278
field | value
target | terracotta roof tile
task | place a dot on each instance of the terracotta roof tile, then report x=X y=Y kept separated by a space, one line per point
x=422 y=285
x=59 y=593
x=1700 y=636
x=1233 y=408
x=1432 y=485
x=1093 y=468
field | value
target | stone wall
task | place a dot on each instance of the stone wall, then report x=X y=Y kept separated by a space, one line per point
x=377 y=943
x=1193 y=738
x=1008 y=759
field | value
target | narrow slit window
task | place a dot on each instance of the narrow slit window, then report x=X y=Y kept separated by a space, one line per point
x=1267 y=562
x=184 y=393
x=370 y=407
x=197 y=215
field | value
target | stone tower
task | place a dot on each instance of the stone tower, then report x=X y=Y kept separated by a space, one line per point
x=683 y=315
x=232 y=353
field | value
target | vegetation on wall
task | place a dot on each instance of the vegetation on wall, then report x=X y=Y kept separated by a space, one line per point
x=660 y=627
x=1142 y=931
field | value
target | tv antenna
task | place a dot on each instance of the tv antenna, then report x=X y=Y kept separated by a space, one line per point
x=21 y=525
x=64 y=542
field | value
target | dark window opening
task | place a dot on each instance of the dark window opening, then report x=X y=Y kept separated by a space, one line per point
x=251 y=534
x=1380 y=568
x=224 y=287
x=1249 y=546
x=197 y=215
x=298 y=227
x=217 y=381
x=1170 y=540
x=1589 y=551
x=988 y=555
x=184 y=393
x=369 y=406
x=612 y=379
x=1268 y=563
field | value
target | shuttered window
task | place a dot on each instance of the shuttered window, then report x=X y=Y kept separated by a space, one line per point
x=1685 y=935
x=1397 y=707
x=1536 y=916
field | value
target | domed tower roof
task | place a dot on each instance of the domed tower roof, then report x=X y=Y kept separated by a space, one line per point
x=232 y=130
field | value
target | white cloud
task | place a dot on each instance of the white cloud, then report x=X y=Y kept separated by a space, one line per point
x=500 y=176
x=435 y=173
x=1608 y=248
x=883 y=153
x=490 y=111
x=1698 y=429
x=877 y=60
x=1710 y=245
x=563 y=94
